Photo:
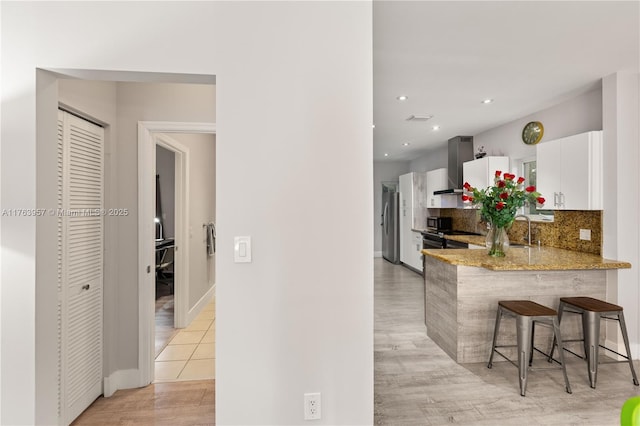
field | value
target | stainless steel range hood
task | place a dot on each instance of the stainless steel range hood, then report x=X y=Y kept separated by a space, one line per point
x=460 y=150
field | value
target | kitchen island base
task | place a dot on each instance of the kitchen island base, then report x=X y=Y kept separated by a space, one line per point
x=461 y=303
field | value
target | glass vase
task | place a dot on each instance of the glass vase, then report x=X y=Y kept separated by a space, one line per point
x=497 y=241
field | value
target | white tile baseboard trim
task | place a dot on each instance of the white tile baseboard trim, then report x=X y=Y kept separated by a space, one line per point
x=204 y=301
x=121 y=379
x=377 y=254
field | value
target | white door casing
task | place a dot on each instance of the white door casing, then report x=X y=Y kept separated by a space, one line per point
x=147 y=138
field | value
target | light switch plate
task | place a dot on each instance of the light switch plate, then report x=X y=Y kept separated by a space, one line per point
x=242 y=249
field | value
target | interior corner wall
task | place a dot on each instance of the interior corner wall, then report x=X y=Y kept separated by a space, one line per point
x=383 y=171
x=435 y=159
x=202 y=210
x=621 y=229
x=95 y=100
x=272 y=184
x=579 y=114
x=144 y=102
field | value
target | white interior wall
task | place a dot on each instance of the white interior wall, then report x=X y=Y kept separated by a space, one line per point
x=291 y=88
x=435 y=159
x=145 y=102
x=202 y=210
x=579 y=114
x=621 y=228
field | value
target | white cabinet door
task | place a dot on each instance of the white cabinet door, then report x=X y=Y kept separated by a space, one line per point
x=480 y=173
x=569 y=172
x=406 y=216
x=438 y=180
x=582 y=172
x=548 y=173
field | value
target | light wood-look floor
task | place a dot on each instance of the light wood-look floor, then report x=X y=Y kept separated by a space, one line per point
x=172 y=404
x=416 y=383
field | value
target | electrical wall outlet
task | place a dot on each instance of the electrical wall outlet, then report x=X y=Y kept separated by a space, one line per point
x=585 y=234
x=312 y=406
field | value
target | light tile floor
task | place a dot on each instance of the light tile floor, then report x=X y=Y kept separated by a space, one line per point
x=190 y=355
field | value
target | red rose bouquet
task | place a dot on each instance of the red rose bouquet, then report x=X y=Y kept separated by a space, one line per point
x=499 y=203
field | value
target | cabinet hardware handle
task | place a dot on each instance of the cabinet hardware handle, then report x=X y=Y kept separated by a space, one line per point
x=555 y=199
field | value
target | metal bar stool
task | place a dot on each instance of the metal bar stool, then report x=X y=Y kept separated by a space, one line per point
x=592 y=310
x=527 y=314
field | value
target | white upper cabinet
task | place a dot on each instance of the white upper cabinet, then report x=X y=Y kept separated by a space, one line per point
x=480 y=173
x=438 y=180
x=569 y=172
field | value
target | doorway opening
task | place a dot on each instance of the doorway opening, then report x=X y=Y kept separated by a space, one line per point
x=165 y=248
x=184 y=201
x=194 y=261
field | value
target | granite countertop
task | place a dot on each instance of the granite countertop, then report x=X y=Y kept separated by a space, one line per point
x=478 y=240
x=526 y=259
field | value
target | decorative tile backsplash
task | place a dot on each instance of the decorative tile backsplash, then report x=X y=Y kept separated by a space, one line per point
x=563 y=232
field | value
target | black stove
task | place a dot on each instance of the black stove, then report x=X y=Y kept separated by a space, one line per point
x=435 y=239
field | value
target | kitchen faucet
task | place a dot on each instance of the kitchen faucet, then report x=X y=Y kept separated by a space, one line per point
x=529 y=227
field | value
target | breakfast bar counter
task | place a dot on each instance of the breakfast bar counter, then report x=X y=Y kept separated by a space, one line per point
x=527 y=259
x=463 y=287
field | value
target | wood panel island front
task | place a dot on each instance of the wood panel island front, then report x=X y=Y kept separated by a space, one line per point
x=463 y=287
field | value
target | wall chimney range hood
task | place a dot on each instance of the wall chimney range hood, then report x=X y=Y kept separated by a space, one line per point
x=460 y=150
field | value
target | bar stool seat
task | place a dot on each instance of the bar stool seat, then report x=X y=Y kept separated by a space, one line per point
x=592 y=310
x=527 y=314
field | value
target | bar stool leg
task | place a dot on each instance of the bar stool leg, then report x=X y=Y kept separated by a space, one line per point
x=533 y=333
x=495 y=336
x=625 y=337
x=591 y=330
x=553 y=344
x=523 y=329
x=558 y=337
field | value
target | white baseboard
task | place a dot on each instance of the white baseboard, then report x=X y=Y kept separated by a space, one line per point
x=377 y=254
x=204 y=301
x=619 y=347
x=121 y=379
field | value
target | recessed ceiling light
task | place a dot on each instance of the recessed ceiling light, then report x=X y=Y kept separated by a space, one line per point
x=436 y=127
x=487 y=101
x=386 y=155
x=406 y=144
x=402 y=98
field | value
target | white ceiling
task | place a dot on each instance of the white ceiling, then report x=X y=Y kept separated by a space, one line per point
x=447 y=56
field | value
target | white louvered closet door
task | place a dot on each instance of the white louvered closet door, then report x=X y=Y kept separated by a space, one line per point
x=80 y=260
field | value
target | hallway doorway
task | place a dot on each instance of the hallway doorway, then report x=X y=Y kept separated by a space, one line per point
x=181 y=353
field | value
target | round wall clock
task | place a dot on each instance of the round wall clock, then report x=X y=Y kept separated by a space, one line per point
x=532 y=132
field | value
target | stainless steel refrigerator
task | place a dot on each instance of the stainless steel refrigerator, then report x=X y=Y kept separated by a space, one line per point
x=391 y=226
